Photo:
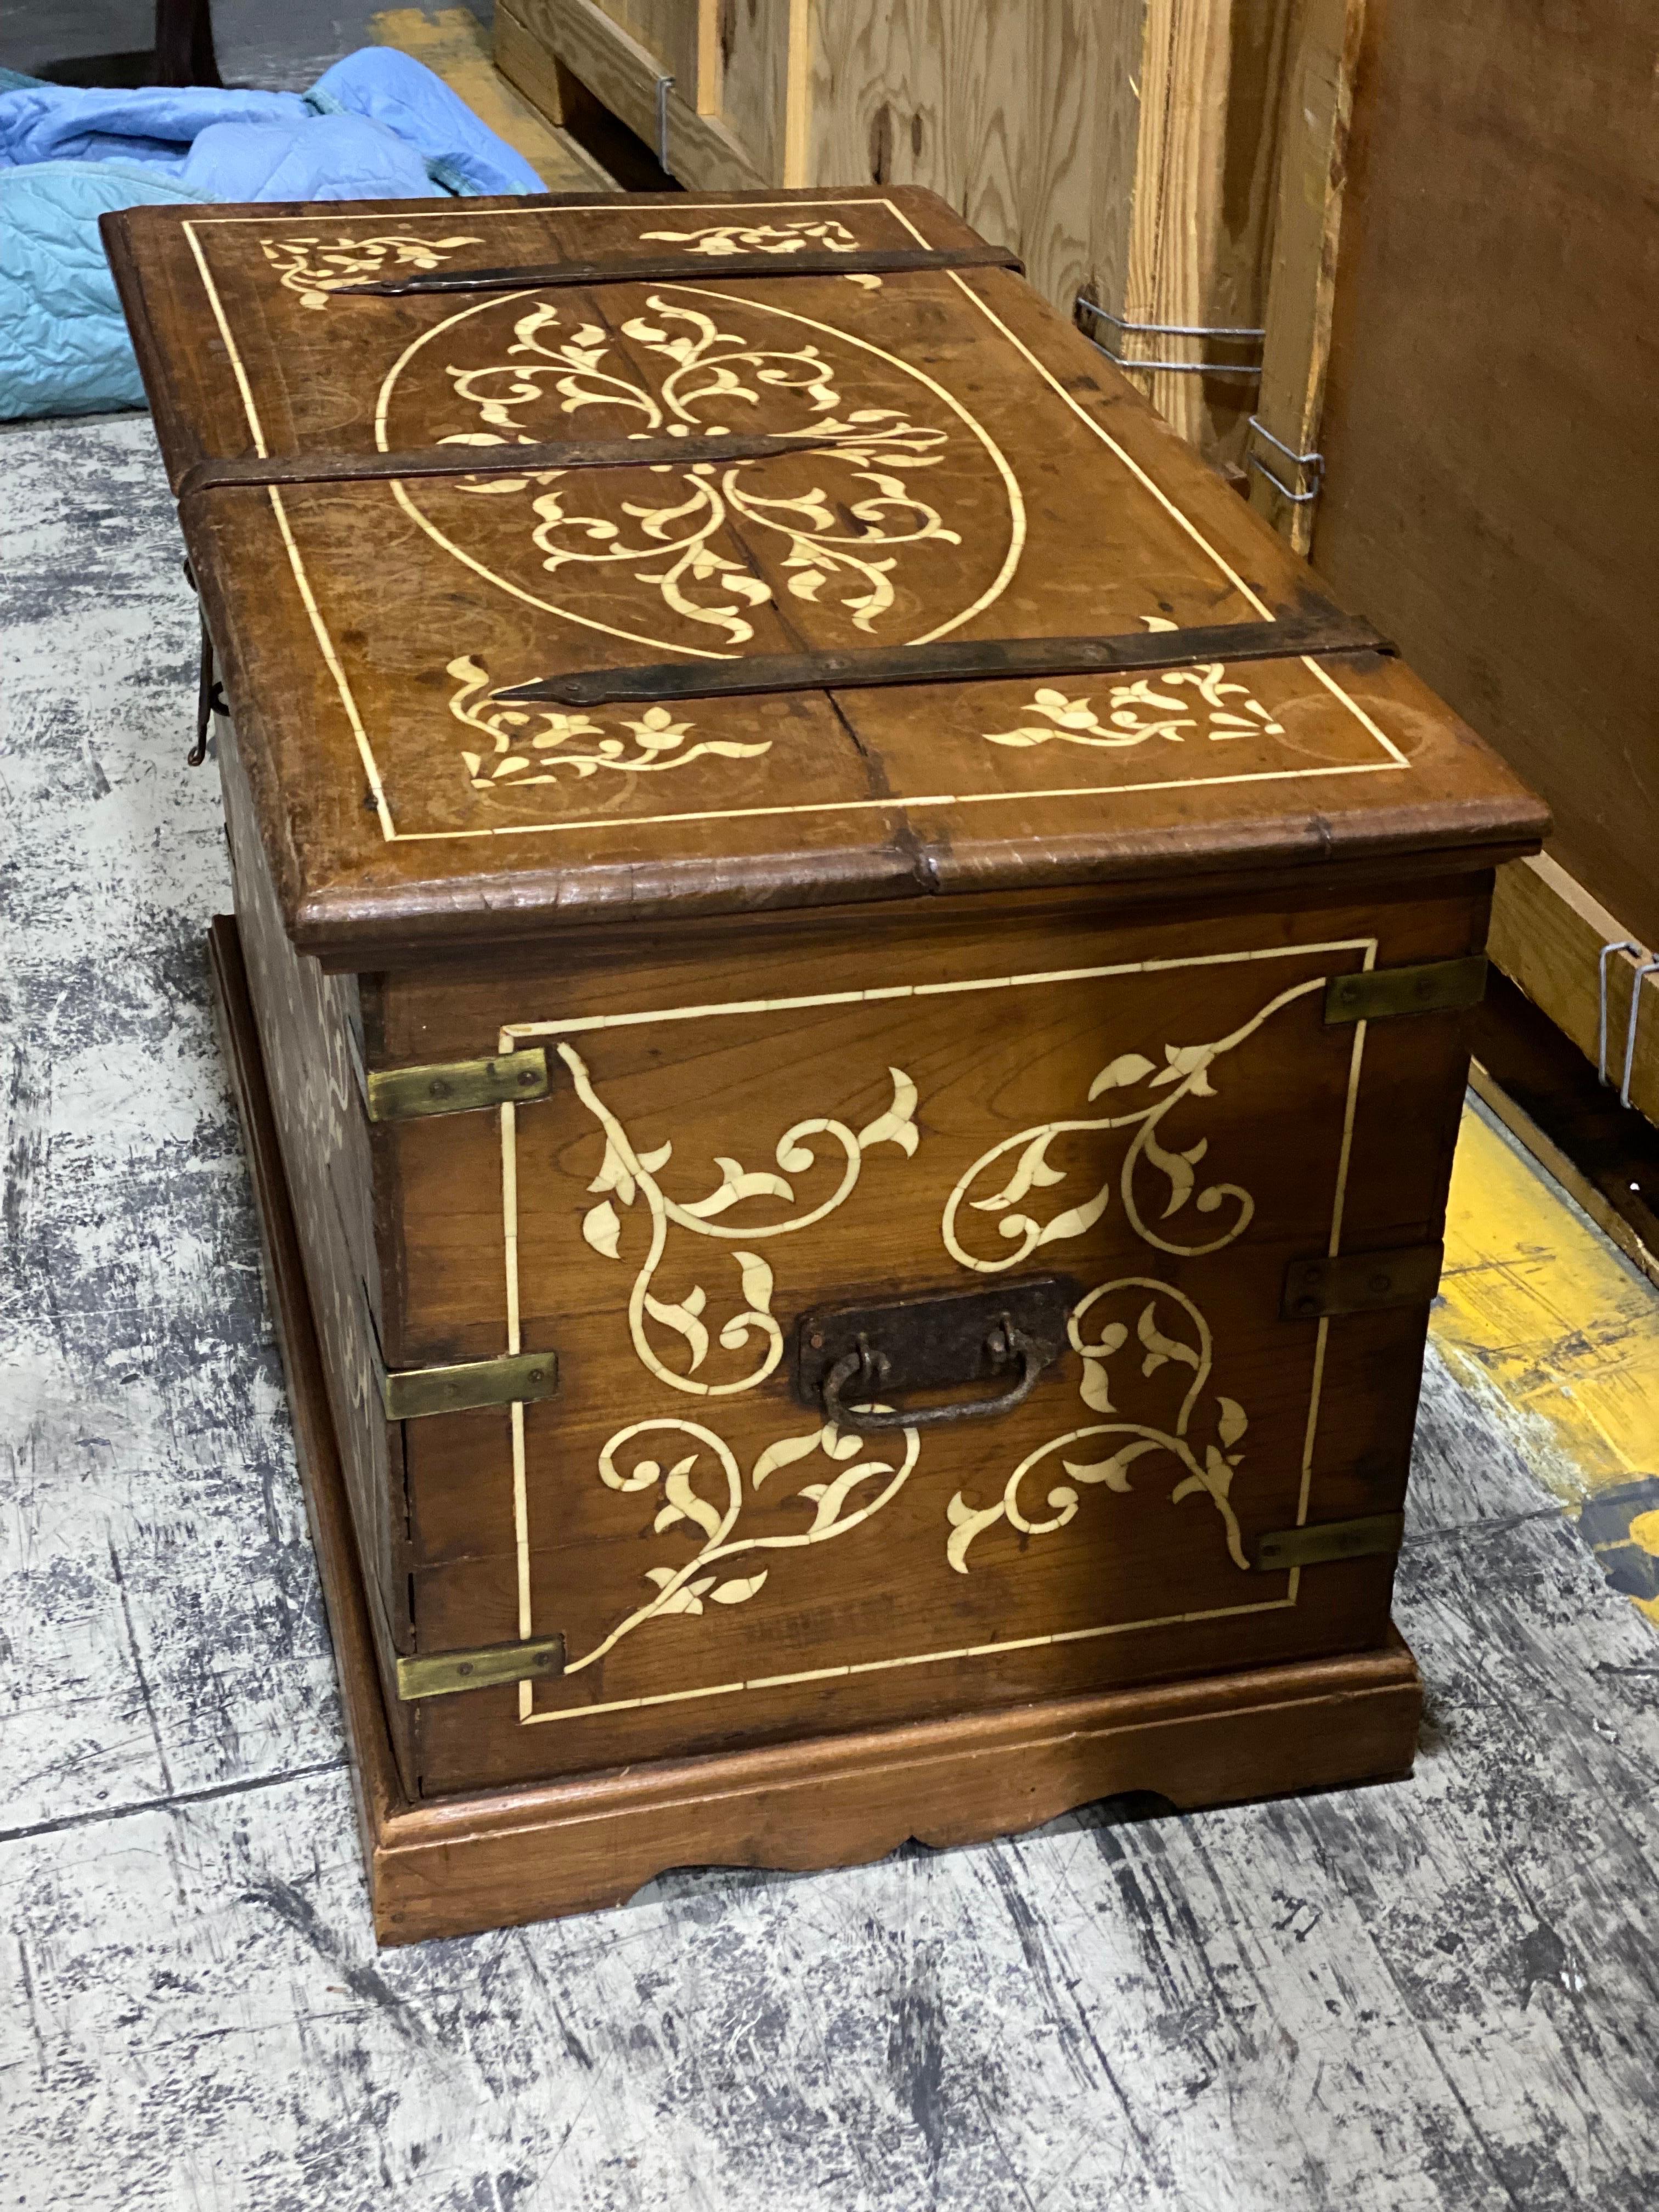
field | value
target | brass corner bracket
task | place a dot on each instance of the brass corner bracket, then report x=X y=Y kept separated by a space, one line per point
x=442 y=1674
x=1377 y=995
x=518 y=1378
x=456 y=1086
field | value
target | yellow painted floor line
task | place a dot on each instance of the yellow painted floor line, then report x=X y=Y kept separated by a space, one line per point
x=1542 y=1316
x=455 y=45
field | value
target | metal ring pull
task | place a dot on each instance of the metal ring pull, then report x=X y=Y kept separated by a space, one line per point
x=867 y=1368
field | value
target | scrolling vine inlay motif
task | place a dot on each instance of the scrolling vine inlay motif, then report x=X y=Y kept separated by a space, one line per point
x=838 y=1505
x=1149 y=708
x=675 y=537
x=1211 y=1476
x=312 y=268
x=1185 y=1075
x=679 y=557
x=719 y=239
x=549 y=742
x=1202 y=1436
x=629 y=1177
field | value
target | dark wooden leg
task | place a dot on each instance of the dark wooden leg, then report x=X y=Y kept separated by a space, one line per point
x=183 y=43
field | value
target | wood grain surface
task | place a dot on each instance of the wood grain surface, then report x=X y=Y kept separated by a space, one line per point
x=1549 y=936
x=1490 y=482
x=1005 y=483
x=644 y=1044
x=1322 y=57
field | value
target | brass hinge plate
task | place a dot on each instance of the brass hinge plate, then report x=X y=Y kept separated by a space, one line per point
x=1361 y=1282
x=1376 y=994
x=457 y=1086
x=441 y=1674
x=519 y=1379
x=1323 y=1542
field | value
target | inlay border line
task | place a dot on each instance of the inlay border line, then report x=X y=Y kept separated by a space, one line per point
x=511 y=1036
x=1393 y=761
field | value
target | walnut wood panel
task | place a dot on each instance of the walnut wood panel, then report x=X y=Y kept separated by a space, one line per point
x=838 y=1800
x=614 y=64
x=306 y=1021
x=447 y=1179
x=380 y=1729
x=843 y=995
x=1010 y=490
x=567 y=1543
x=1498 y=240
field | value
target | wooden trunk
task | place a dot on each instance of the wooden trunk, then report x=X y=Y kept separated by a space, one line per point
x=848 y=1222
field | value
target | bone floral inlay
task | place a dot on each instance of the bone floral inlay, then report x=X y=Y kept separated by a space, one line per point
x=1172 y=704
x=1210 y=1475
x=629 y=1177
x=315 y=267
x=1185 y=1075
x=851 y=1495
x=837 y=547
x=540 y=747
x=721 y=238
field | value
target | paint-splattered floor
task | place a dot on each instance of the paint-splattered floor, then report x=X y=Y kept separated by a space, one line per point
x=1443 y=1994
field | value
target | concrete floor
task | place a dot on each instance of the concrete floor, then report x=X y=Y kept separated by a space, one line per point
x=1441 y=1995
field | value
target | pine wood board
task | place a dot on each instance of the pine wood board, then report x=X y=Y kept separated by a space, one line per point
x=1300 y=286
x=622 y=73
x=1489 y=487
x=1548 y=934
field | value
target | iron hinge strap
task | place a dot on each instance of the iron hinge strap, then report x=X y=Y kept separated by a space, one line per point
x=254 y=472
x=665 y=269
x=974 y=660
x=456 y=1086
x=1322 y=1543
x=1377 y=995
x=441 y=1674
x=518 y=1378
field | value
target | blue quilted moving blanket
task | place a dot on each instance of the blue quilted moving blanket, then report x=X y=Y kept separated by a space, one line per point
x=377 y=125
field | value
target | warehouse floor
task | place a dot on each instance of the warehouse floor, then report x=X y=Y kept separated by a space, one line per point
x=1443 y=1994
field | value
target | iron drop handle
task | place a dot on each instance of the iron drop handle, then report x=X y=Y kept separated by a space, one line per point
x=866 y=1369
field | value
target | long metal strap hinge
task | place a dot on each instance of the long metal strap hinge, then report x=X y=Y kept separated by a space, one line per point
x=456 y=1086
x=1377 y=995
x=441 y=1674
x=1323 y=1543
x=1361 y=1282
x=519 y=1379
